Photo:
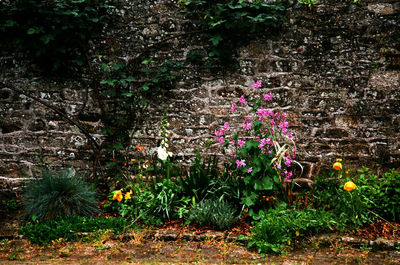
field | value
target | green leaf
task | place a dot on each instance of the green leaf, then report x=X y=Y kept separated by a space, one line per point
x=216 y=39
x=127 y=95
x=31 y=31
x=213 y=25
x=129 y=79
x=264 y=184
x=146 y=86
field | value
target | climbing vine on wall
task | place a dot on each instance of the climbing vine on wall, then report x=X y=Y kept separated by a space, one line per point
x=54 y=34
x=232 y=23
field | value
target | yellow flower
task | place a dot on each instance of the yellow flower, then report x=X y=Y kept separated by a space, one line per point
x=349 y=186
x=117 y=195
x=130 y=192
x=338 y=159
x=132 y=160
x=297 y=233
x=127 y=196
x=337 y=166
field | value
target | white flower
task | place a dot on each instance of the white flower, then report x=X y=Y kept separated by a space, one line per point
x=162 y=153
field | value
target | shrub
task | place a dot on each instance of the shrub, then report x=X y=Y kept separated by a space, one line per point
x=55 y=33
x=44 y=232
x=219 y=214
x=199 y=179
x=59 y=194
x=276 y=229
x=150 y=205
x=382 y=194
x=374 y=197
x=263 y=152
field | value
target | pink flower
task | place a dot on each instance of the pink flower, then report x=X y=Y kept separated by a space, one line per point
x=278 y=165
x=233 y=143
x=257 y=84
x=233 y=108
x=250 y=170
x=233 y=155
x=288 y=176
x=219 y=133
x=241 y=142
x=263 y=114
x=290 y=135
x=242 y=100
x=221 y=140
x=247 y=126
x=240 y=163
x=226 y=126
x=268 y=96
x=284 y=125
x=288 y=161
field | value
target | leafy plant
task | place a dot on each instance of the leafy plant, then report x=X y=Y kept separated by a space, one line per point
x=46 y=231
x=56 y=33
x=381 y=193
x=309 y=3
x=367 y=198
x=277 y=229
x=199 y=178
x=263 y=152
x=59 y=194
x=151 y=205
x=218 y=214
x=9 y=205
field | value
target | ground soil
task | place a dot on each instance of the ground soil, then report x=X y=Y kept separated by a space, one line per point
x=169 y=245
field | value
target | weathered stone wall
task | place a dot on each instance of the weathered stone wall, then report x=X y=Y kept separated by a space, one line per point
x=334 y=69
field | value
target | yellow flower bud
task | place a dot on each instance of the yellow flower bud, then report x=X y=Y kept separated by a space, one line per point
x=337 y=166
x=349 y=186
x=117 y=195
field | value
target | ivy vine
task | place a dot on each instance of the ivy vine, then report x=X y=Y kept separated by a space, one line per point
x=232 y=23
x=55 y=34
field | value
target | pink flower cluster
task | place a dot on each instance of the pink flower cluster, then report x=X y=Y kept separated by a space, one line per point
x=257 y=84
x=274 y=123
x=220 y=132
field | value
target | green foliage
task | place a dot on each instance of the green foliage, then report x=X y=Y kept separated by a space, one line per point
x=231 y=23
x=199 y=178
x=59 y=194
x=161 y=77
x=349 y=207
x=309 y=3
x=44 y=232
x=381 y=193
x=128 y=96
x=10 y=205
x=219 y=214
x=152 y=205
x=375 y=197
x=263 y=152
x=55 y=33
x=277 y=229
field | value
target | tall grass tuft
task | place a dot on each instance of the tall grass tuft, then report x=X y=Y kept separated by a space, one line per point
x=219 y=214
x=59 y=194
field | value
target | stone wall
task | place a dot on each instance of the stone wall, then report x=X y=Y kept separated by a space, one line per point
x=334 y=69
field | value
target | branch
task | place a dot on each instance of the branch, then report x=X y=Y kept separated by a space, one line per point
x=56 y=110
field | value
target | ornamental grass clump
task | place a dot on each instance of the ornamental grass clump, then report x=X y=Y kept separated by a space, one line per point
x=59 y=194
x=213 y=212
x=263 y=151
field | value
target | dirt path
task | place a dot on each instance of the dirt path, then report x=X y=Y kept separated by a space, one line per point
x=137 y=251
